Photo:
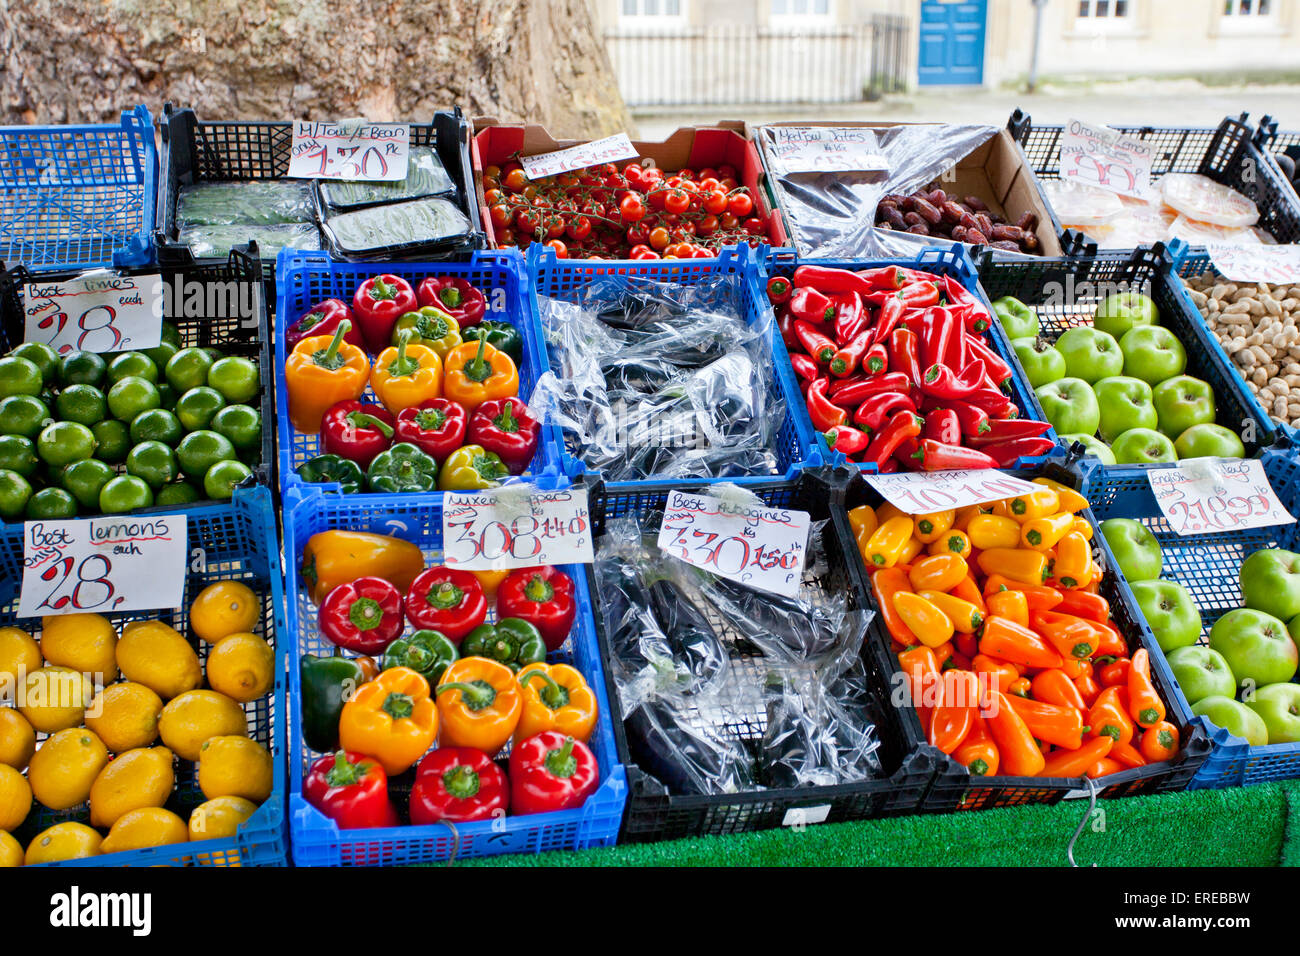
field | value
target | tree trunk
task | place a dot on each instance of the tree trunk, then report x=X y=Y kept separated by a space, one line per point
x=536 y=60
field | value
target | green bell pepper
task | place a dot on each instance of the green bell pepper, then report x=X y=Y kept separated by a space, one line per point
x=1018 y=320
x=500 y=335
x=431 y=327
x=471 y=468
x=327 y=684
x=324 y=469
x=425 y=652
x=403 y=468
x=511 y=641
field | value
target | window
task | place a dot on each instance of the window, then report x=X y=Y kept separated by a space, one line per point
x=1103 y=9
x=652 y=8
x=1246 y=8
x=790 y=9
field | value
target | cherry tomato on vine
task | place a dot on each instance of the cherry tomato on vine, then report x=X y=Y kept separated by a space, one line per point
x=501 y=215
x=561 y=250
x=631 y=208
x=754 y=227
x=740 y=205
x=515 y=180
x=659 y=238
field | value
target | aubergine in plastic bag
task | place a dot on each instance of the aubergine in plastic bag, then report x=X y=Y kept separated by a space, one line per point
x=684 y=758
x=425 y=176
x=690 y=635
x=258 y=202
x=812 y=739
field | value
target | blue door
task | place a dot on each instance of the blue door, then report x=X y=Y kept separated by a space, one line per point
x=952 y=42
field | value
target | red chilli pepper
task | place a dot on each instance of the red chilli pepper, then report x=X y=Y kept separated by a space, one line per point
x=936 y=456
x=542 y=596
x=456 y=297
x=458 y=784
x=505 y=427
x=847 y=439
x=785 y=322
x=877 y=409
x=778 y=290
x=901 y=426
x=942 y=426
x=356 y=431
x=883 y=277
x=824 y=415
x=322 y=319
x=1009 y=429
x=814 y=342
x=846 y=359
x=973 y=419
x=992 y=401
x=351 y=789
x=937 y=331
x=809 y=305
x=850 y=317
x=975 y=317
x=940 y=381
x=890 y=318
x=804 y=366
x=447 y=600
x=377 y=304
x=436 y=426
x=364 y=615
x=904 y=355
x=920 y=295
x=551 y=772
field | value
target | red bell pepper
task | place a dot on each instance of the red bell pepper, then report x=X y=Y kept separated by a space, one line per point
x=845 y=361
x=357 y=431
x=804 y=366
x=778 y=290
x=942 y=425
x=847 y=439
x=904 y=355
x=902 y=425
x=824 y=415
x=543 y=597
x=364 y=615
x=351 y=789
x=377 y=304
x=447 y=600
x=816 y=343
x=851 y=396
x=1010 y=429
x=1006 y=453
x=322 y=319
x=809 y=305
x=888 y=319
x=456 y=297
x=850 y=317
x=831 y=281
x=551 y=772
x=458 y=784
x=506 y=427
x=436 y=426
x=936 y=456
x=877 y=409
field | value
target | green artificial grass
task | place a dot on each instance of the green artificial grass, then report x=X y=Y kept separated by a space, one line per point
x=1247 y=826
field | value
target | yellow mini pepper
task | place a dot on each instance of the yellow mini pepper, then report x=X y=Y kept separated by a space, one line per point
x=406 y=375
x=555 y=697
x=1073 y=567
x=862 y=520
x=478 y=372
x=965 y=616
x=932 y=526
x=954 y=541
x=930 y=625
x=1018 y=564
x=322 y=371
x=391 y=718
x=886 y=544
x=1035 y=504
x=1067 y=498
x=1041 y=534
x=479 y=704
x=993 y=531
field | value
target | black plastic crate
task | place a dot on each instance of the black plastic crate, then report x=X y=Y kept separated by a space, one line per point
x=653 y=815
x=1065 y=294
x=220 y=327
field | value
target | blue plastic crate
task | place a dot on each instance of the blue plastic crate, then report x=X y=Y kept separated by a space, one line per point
x=1207 y=565
x=305 y=278
x=78 y=196
x=239 y=543
x=562 y=279
x=316 y=840
x=953 y=261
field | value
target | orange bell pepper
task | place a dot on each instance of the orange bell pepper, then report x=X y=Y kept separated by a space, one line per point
x=1108 y=715
x=885 y=583
x=555 y=697
x=965 y=617
x=953 y=717
x=953 y=542
x=331 y=558
x=321 y=371
x=476 y=372
x=1018 y=564
x=1011 y=605
x=1067 y=499
x=1144 y=703
x=1062 y=726
x=932 y=527
x=1019 y=754
x=1160 y=742
x=479 y=702
x=937 y=572
x=930 y=625
x=406 y=375
x=1008 y=641
x=1077 y=763
x=1041 y=534
x=887 y=542
x=1053 y=686
x=391 y=719
x=1073 y=568
x=978 y=753
x=991 y=531
x=1033 y=504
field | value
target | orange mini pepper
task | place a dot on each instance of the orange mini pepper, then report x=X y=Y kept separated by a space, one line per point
x=932 y=527
x=322 y=371
x=1160 y=742
x=1144 y=703
x=1033 y=504
x=999 y=674
x=1053 y=686
x=953 y=717
x=1104 y=768
x=1128 y=755
x=1077 y=763
x=930 y=625
x=1018 y=564
x=1111 y=642
x=966 y=645
x=965 y=617
x=1071 y=636
x=1019 y=754
x=407 y=374
x=885 y=583
x=1114 y=673
x=1020 y=687
x=1094 y=607
x=953 y=541
x=1073 y=568
x=1011 y=605
x=1108 y=715
x=476 y=372
x=391 y=719
x=1075 y=668
x=555 y=697
x=885 y=511
x=479 y=702
x=1008 y=641
x=887 y=542
x=943 y=655
x=1067 y=499
x=1052 y=723
x=937 y=572
x=911 y=548
x=978 y=753
x=1088 y=688
x=968 y=590
x=924 y=682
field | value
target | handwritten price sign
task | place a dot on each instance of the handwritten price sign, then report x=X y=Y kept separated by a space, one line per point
x=97 y=312
x=764 y=548
x=515 y=527
x=1101 y=157
x=374 y=152
x=919 y=493
x=611 y=149
x=1276 y=265
x=817 y=149
x=1206 y=495
x=112 y=563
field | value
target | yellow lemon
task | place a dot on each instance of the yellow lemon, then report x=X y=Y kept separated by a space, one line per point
x=125 y=715
x=55 y=698
x=19 y=655
x=63 y=841
x=65 y=768
x=17 y=739
x=235 y=767
x=148 y=826
x=135 y=779
x=224 y=608
x=242 y=666
x=11 y=851
x=15 y=798
x=84 y=642
x=218 y=819
x=197 y=715
x=154 y=654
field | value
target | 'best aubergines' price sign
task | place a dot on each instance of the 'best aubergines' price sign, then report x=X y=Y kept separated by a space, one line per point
x=922 y=492
x=1207 y=495
x=515 y=527
x=372 y=152
x=109 y=563
x=611 y=149
x=763 y=548
x=1099 y=156
x=95 y=312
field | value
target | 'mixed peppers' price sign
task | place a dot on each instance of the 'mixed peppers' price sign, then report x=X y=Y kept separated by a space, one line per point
x=1207 y=495
x=95 y=312
x=515 y=527
x=376 y=152
x=764 y=548
x=611 y=149
x=109 y=563
x=920 y=492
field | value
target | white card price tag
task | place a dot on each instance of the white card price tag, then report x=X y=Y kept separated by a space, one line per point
x=97 y=312
x=611 y=149
x=818 y=149
x=1207 y=495
x=373 y=152
x=517 y=526
x=1101 y=157
x=922 y=492
x=1276 y=265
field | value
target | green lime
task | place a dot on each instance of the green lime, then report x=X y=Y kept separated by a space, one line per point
x=197 y=407
x=50 y=503
x=18 y=453
x=23 y=415
x=167 y=397
x=126 y=364
x=177 y=493
x=15 y=490
x=154 y=462
x=215 y=354
x=222 y=477
x=62 y=443
x=81 y=403
x=242 y=424
x=82 y=368
x=236 y=378
x=200 y=450
x=161 y=353
x=188 y=369
x=113 y=439
x=125 y=493
x=42 y=356
x=132 y=395
x=85 y=479
x=19 y=376
x=157 y=424
x=170 y=335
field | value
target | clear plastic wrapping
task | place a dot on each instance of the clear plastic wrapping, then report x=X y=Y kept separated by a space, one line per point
x=374 y=229
x=425 y=176
x=251 y=202
x=207 y=241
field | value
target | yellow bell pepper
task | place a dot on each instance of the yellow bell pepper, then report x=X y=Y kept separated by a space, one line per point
x=1019 y=564
x=886 y=544
x=406 y=375
x=931 y=527
x=1041 y=534
x=930 y=625
x=391 y=719
x=555 y=697
x=479 y=702
x=1067 y=498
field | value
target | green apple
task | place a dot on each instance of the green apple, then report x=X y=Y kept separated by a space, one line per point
x=1018 y=320
x=1041 y=362
x=1143 y=446
x=1256 y=645
x=1208 y=440
x=1278 y=705
x=1270 y=582
x=1090 y=354
x=1135 y=548
x=1152 y=353
x=1181 y=402
x=1070 y=405
x=1201 y=672
x=1170 y=611
x=1125 y=404
x=1118 y=313
x=1234 y=717
x=1094 y=446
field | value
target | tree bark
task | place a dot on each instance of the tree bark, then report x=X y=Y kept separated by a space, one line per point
x=539 y=61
